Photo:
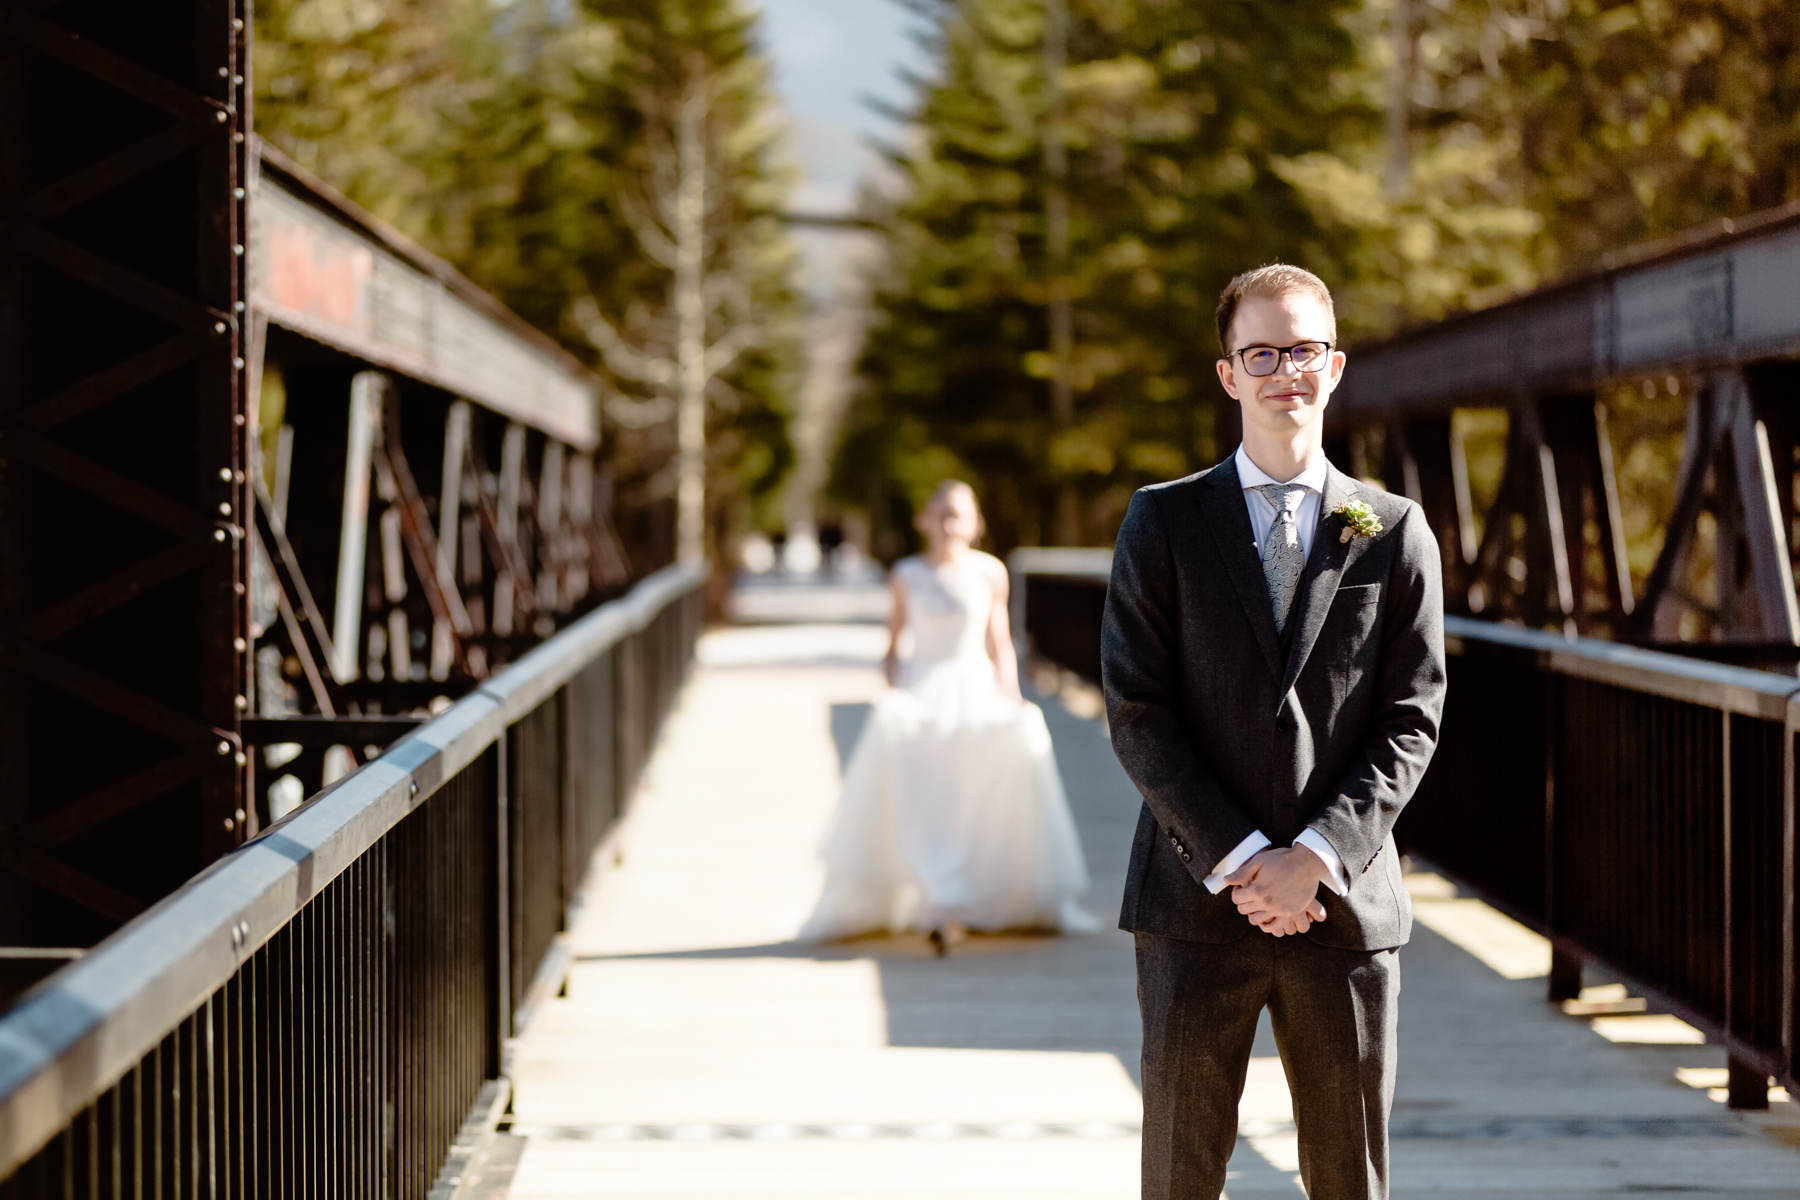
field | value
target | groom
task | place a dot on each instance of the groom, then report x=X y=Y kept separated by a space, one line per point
x=1274 y=666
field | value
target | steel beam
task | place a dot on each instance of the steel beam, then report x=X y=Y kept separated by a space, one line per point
x=124 y=491
x=1727 y=294
x=325 y=269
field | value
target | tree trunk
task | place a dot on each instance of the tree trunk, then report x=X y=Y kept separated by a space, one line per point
x=690 y=316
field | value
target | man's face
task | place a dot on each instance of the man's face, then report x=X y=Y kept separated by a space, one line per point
x=1290 y=399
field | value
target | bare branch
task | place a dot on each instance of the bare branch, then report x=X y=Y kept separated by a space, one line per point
x=639 y=414
x=726 y=351
x=723 y=395
x=649 y=326
x=651 y=234
x=621 y=358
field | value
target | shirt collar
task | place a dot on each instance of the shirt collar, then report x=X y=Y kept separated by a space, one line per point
x=1250 y=475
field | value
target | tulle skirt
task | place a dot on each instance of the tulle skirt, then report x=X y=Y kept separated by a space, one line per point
x=952 y=809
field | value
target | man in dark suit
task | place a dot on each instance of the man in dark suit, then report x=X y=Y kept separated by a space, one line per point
x=1274 y=666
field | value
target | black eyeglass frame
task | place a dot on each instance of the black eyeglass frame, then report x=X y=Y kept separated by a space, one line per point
x=1288 y=353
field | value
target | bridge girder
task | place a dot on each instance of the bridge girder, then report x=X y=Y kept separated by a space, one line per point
x=1713 y=317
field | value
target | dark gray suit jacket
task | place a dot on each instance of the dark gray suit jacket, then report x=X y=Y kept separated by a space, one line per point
x=1227 y=728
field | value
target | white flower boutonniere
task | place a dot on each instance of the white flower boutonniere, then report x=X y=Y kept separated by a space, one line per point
x=1359 y=520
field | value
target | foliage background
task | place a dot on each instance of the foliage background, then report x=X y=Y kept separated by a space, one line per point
x=1423 y=156
x=506 y=138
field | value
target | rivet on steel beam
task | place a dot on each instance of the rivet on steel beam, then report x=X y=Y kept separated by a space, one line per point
x=223 y=116
x=241 y=759
x=237 y=306
x=237 y=193
x=238 y=249
x=240 y=817
x=224 y=72
x=237 y=364
x=238 y=588
x=224 y=474
x=224 y=749
x=237 y=81
x=242 y=702
x=225 y=509
x=413 y=788
x=237 y=25
x=240 y=645
x=220 y=327
x=238 y=419
x=237 y=137
x=237 y=936
x=230 y=824
x=220 y=535
x=237 y=476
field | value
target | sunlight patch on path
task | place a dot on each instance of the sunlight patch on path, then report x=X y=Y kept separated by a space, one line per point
x=1508 y=948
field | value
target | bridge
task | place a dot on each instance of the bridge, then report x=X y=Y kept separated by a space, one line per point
x=367 y=827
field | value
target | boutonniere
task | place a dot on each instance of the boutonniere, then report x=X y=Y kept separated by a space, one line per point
x=1359 y=520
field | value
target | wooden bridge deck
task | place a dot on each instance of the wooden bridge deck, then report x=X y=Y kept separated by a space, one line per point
x=699 y=1054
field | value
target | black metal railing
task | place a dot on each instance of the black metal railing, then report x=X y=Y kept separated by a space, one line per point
x=1636 y=807
x=323 y=1012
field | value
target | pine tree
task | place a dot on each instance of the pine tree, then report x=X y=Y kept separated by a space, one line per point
x=511 y=141
x=1173 y=119
x=703 y=307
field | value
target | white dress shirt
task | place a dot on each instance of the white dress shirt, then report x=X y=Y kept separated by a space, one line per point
x=1306 y=524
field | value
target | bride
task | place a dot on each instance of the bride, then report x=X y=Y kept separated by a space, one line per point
x=953 y=816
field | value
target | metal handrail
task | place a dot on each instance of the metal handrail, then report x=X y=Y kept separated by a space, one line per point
x=80 y=1030
x=1741 y=690
x=1710 y=816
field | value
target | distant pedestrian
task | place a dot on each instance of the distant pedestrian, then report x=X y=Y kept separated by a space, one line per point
x=831 y=538
x=953 y=815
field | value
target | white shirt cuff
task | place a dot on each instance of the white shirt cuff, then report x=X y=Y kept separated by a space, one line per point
x=1336 y=878
x=1256 y=842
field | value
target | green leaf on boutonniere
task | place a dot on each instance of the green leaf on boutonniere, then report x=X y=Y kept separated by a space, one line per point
x=1359 y=520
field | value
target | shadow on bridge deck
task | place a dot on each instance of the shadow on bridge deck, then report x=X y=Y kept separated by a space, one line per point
x=698 y=1053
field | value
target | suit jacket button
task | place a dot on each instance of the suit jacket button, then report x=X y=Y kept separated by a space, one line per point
x=1186 y=857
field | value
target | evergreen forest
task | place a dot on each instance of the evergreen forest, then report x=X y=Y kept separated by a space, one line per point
x=1068 y=189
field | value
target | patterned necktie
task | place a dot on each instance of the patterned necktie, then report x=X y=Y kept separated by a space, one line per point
x=1282 y=558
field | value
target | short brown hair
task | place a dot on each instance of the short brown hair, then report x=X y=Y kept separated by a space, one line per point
x=1268 y=283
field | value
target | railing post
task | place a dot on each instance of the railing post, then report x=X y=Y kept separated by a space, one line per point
x=1745 y=1086
x=1790 y=930
x=499 y=914
x=1565 y=964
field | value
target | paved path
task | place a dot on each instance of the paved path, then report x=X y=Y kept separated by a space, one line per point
x=700 y=1054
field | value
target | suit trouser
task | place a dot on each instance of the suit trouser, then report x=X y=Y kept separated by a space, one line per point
x=1334 y=1014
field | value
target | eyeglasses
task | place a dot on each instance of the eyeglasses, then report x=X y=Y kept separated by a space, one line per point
x=1266 y=360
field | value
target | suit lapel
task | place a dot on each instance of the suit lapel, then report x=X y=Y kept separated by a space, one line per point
x=1319 y=582
x=1228 y=522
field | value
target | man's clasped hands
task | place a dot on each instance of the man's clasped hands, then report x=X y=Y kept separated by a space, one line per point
x=1277 y=890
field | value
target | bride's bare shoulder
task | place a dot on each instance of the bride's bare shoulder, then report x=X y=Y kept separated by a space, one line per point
x=995 y=568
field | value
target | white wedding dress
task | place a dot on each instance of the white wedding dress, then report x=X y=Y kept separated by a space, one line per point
x=952 y=808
